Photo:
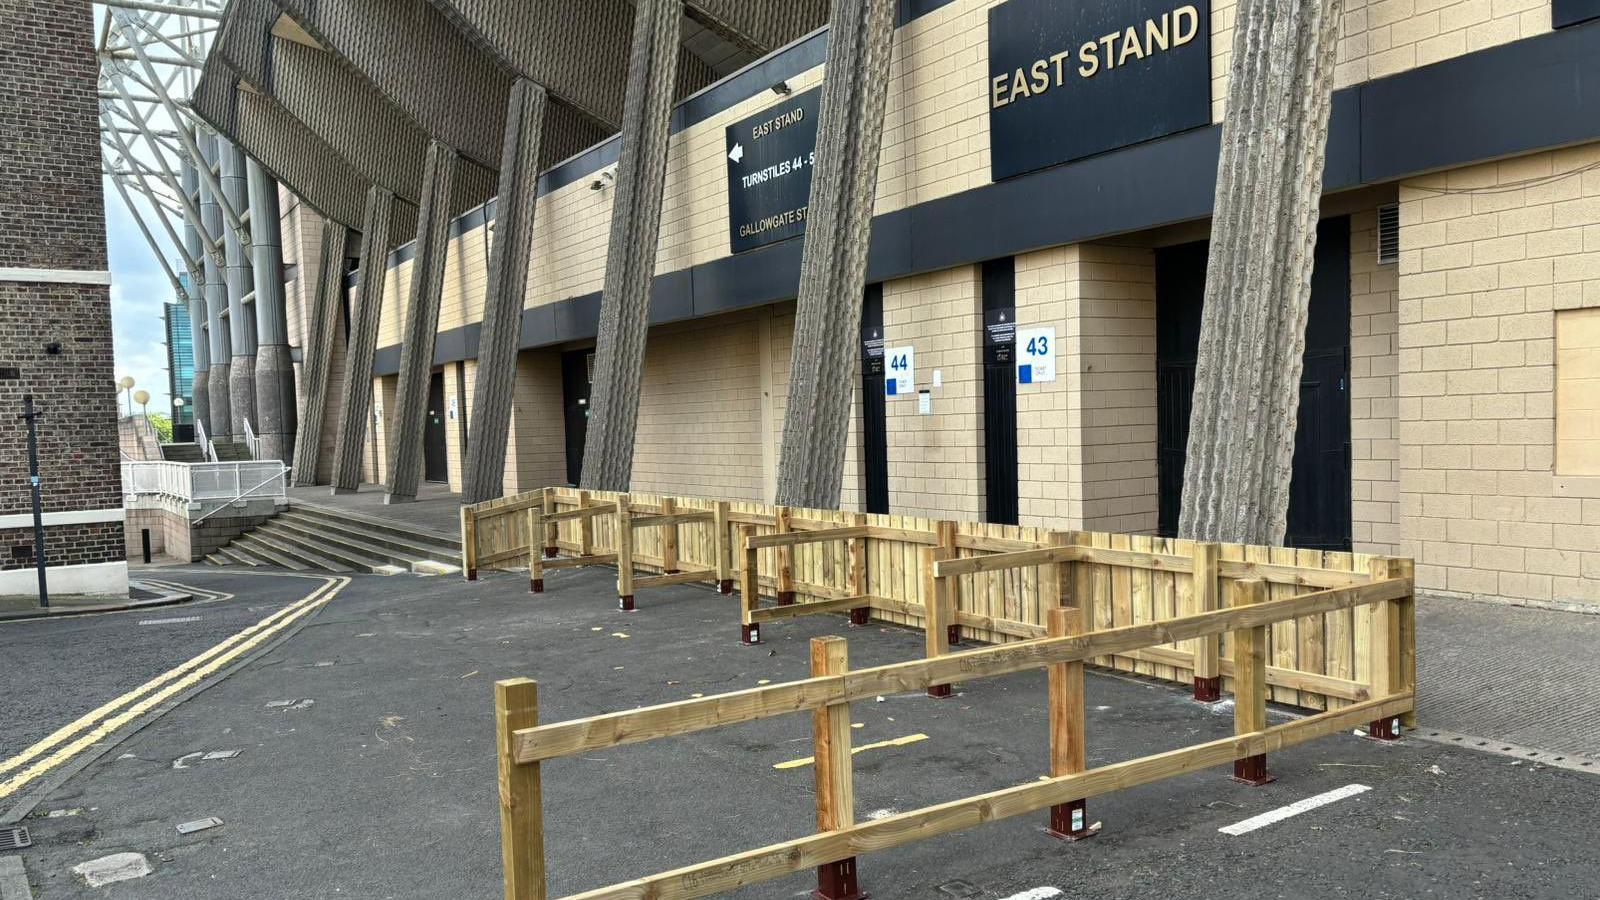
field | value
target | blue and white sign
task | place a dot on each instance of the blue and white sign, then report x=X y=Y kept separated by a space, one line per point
x=899 y=371
x=1036 y=355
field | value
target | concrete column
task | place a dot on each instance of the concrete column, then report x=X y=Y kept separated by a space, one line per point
x=631 y=249
x=357 y=406
x=490 y=421
x=241 y=283
x=327 y=307
x=219 y=422
x=1258 y=280
x=422 y=324
x=200 y=405
x=275 y=413
x=816 y=422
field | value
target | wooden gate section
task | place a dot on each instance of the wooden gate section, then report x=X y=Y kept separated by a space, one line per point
x=990 y=591
x=832 y=851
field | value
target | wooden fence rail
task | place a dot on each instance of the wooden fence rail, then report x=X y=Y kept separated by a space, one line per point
x=524 y=745
x=955 y=580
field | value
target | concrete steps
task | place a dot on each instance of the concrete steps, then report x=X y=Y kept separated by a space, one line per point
x=331 y=540
x=230 y=451
x=188 y=453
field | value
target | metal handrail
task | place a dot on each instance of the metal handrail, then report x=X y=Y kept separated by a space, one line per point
x=203 y=440
x=251 y=441
x=282 y=475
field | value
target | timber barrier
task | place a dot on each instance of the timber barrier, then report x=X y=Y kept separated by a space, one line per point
x=955 y=580
x=1384 y=600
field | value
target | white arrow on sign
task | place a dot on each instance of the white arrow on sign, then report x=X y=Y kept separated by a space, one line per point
x=737 y=153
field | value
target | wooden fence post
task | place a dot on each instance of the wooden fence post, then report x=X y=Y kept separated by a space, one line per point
x=624 y=553
x=1068 y=821
x=831 y=758
x=860 y=615
x=516 y=705
x=720 y=546
x=552 y=530
x=785 y=560
x=669 y=538
x=469 y=543
x=1250 y=681
x=946 y=530
x=749 y=586
x=585 y=527
x=1056 y=586
x=1207 y=665
x=937 y=612
x=535 y=551
x=1394 y=647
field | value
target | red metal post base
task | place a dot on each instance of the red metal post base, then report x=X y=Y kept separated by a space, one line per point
x=670 y=571
x=837 y=881
x=551 y=552
x=625 y=602
x=953 y=635
x=938 y=691
x=725 y=586
x=1208 y=690
x=860 y=615
x=1252 y=770
x=1384 y=730
x=1070 y=821
x=785 y=598
x=536 y=586
x=750 y=635
x=472 y=574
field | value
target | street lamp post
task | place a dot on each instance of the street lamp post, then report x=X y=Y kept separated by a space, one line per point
x=31 y=417
x=124 y=385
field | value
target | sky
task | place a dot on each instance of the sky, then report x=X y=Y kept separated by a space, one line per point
x=139 y=287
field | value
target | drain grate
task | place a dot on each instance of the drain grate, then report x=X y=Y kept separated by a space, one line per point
x=15 y=838
x=1577 y=762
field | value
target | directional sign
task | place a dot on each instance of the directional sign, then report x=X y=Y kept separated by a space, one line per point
x=770 y=155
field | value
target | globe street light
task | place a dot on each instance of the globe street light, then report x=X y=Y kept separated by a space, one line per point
x=124 y=385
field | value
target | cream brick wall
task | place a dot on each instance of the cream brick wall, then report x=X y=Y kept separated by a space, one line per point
x=1086 y=443
x=1374 y=404
x=1487 y=256
x=537 y=453
x=1578 y=392
x=936 y=460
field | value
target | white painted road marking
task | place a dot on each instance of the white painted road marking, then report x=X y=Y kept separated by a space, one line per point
x=177 y=621
x=1038 y=893
x=1294 y=809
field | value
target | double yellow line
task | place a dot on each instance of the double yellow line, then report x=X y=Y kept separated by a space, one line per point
x=86 y=731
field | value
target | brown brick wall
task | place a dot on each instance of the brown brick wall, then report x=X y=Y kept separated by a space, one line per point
x=64 y=545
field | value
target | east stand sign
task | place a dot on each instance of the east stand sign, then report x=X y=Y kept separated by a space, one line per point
x=1072 y=78
x=770 y=155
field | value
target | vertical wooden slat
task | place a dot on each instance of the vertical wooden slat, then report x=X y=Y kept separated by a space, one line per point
x=469 y=543
x=547 y=531
x=624 y=540
x=535 y=550
x=720 y=549
x=946 y=530
x=1207 y=672
x=1393 y=644
x=859 y=579
x=1068 y=753
x=832 y=762
x=1250 y=681
x=749 y=585
x=516 y=705
x=938 y=611
x=785 y=559
x=585 y=528
x=669 y=537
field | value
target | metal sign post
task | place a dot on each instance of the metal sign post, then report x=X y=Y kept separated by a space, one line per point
x=30 y=416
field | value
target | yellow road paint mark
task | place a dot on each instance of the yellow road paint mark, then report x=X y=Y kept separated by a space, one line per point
x=895 y=742
x=191 y=672
x=765 y=681
x=857 y=725
x=618 y=634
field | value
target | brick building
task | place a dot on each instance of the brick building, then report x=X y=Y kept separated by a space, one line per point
x=1449 y=405
x=55 y=307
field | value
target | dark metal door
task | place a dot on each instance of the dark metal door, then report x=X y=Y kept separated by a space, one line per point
x=874 y=424
x=575 y=403
x=1000 y=391
x=1319 y=493
x=435 y=459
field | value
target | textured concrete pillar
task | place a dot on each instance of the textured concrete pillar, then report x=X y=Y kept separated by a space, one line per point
x=219 y=422
x=241 y=283
x=363 y=344
x=200 y=401
x=422 y=324
x=327 y=308
x=275 y=412
x=834 y=261
x=631 y=249
x=490 y=421
x=1258 y=279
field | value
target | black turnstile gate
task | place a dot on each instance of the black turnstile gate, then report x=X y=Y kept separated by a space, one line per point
x=1319 y=494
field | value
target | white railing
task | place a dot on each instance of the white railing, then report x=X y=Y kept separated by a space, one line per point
x=251 y=441
x=203 y=441
x=211 y=482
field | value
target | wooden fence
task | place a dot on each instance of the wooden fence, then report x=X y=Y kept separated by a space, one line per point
x=1249 y=619
x=888 y=567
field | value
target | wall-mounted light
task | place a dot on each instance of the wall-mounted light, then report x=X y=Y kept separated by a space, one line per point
x=781 y=89
x=604 y=181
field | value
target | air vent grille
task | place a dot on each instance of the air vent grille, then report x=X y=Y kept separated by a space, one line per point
x=1389 y=234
